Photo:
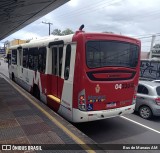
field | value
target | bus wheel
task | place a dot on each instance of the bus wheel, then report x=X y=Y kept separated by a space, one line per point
x=36 y=92
x=13 y=78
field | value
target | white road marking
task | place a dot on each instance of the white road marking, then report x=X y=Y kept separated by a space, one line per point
x=147 y=127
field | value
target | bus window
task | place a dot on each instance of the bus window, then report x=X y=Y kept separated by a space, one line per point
x=9 y=59
x=30 y=59
x=20 y=57
x=33 y=59
x=60 y=59
x=67 y=62
x=54 y=60
x=42 y=59
x=111 y=53
x=25 y=58
x=14 y=56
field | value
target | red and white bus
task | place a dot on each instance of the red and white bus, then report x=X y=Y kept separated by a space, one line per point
x=82 y=76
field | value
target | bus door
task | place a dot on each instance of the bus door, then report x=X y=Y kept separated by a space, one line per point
x=68 y=67
x=19 y=63
x=25 y=69
x=57 y=81
x=13 y=68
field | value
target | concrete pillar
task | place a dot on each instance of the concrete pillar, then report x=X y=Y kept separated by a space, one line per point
x=152 y=42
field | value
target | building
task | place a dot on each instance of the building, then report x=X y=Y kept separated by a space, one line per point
x=13 y=43
x=16 y=42
x=2 y=50
x=145 y=55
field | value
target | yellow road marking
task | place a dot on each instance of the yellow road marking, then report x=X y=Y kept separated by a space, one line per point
x=69 y=133
x=54 y=98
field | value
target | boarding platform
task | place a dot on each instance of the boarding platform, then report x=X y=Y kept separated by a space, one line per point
x=25 y=121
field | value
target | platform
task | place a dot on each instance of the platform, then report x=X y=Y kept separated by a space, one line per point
x=25 y=120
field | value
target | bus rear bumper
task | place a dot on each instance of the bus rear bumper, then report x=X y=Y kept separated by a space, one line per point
x=82 y=116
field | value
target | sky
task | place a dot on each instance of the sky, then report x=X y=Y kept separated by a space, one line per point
x=135 y=18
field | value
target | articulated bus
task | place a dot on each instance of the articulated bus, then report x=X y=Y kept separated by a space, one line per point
x=83 y=76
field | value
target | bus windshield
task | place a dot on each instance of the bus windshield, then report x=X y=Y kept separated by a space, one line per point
x=111 y=53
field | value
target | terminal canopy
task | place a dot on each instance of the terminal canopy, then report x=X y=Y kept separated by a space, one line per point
x=16 y=14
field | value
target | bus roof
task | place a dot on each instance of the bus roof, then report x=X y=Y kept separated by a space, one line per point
x=109 y=36
x=44 y=41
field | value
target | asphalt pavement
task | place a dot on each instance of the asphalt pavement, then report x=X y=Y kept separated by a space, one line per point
x=119 y=130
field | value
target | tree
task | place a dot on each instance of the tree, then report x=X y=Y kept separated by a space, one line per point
x=67 y=32
x=64 y=32
x=57 y=32
x=156 y=48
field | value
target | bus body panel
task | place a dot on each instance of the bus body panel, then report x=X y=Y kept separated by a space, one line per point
x=80 y=116
x=67 y=92
x=100 y=95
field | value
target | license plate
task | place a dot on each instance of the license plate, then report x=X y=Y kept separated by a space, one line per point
x=113 y=104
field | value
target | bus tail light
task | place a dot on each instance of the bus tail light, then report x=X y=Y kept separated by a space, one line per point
x=134 y=95
x=157 y=100
x=82 y=101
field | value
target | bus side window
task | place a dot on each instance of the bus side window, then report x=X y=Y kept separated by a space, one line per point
x=33 y=59
x=9 y=58
x=30 y=59
x=67 y=62
x=60 y=59
x=14 y=56
x=25 y=58
x=54 y=60
x=42 y=59
x=20 y=57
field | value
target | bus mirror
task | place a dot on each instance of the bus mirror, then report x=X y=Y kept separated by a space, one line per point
x=66 y=73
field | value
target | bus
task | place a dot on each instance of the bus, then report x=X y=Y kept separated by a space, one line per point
x=83 y=76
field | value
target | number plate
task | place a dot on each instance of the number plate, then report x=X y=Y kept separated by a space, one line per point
x=113 y=104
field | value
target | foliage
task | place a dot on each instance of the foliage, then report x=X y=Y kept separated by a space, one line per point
x=67 y=32
x=62 y=33
x=56 y=32
x=156 y=46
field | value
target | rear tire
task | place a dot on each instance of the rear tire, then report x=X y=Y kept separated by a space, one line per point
x=145 y=112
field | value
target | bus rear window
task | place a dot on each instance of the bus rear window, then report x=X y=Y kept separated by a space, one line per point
x=111 y=53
